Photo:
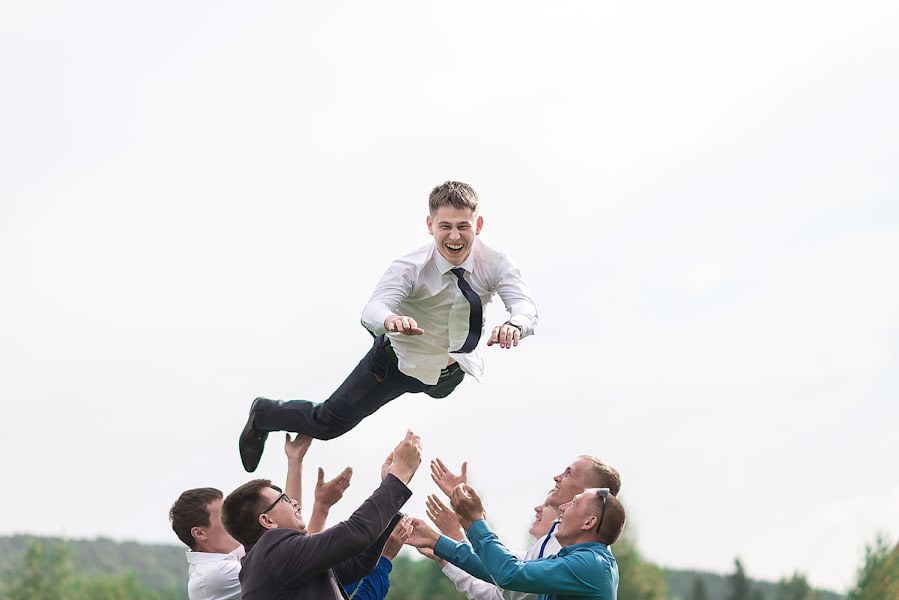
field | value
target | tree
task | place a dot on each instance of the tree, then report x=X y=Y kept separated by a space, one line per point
x=44 y=575
x=699 y=592
x=739 y=586
x=47 y=573
x=878 y=575
x=794 y=588
x=639 y=578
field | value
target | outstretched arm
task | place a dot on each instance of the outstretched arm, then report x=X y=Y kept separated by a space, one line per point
x=295 y=450
x=516 y=295
x=380 y=315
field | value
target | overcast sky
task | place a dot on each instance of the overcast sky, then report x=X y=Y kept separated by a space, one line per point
x=196 y=200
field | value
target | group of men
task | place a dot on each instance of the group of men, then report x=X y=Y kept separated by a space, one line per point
x=427 y=317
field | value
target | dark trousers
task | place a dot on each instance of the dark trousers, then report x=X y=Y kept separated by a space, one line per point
x=374 y=382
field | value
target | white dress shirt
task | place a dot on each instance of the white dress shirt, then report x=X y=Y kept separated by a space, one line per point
x=213 y=576
x=420 y=285
x=478 y=589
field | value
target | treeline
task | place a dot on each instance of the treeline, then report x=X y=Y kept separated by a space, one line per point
x=53 y=569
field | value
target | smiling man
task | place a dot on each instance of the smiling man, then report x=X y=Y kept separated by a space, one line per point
x=584 y=567
x=284 y=561
x=427 y=317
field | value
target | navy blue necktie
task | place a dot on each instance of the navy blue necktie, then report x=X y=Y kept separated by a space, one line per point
x=475 y=318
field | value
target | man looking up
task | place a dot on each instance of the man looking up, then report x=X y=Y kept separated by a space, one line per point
x=427 y=316
x=214 y=556
x=284 y=561
x=584 y=472
x=584 y=568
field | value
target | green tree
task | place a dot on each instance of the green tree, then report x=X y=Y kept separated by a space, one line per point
x=794 y=588
x=699 y=592
x=44 y=575
x=739 y=586
x=47 y=573
x=878 y=575
x=639 y=578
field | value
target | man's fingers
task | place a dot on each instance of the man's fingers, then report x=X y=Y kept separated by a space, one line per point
x=321 y=477
x=465 y=470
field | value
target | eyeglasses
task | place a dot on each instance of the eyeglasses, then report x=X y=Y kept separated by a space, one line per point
x=604 y=494
x=283 y=497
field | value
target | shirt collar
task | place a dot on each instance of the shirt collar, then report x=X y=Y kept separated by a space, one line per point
x=595 y=546
x=201 y=557
x=445 y=266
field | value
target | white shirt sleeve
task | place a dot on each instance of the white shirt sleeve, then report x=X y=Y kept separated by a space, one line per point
x=395 y=286
x=470 y=585
x=516 y=296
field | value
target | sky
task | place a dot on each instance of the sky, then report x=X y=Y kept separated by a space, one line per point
x=196 y=200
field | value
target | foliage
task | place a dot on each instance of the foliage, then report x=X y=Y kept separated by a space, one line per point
x=699 y=592
x=47 y=573
x=878 y=576
x=795 y=588
x=739 y=586
x=420 y=579
x=640 y=579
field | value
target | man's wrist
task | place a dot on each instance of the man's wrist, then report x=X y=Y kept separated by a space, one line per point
x=402 y=473
x=515 y=325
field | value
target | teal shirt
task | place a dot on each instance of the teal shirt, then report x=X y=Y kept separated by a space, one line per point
x=578 y=571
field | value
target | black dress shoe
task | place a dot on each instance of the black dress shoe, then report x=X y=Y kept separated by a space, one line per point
x=252 y=441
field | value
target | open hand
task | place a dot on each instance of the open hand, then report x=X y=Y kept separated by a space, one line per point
x=506 y=335
x=296 y=449
x=445 y=518
x=329 y=493
x=445 y=479
x=405 y=458
x=398 y=537
x=404 y=325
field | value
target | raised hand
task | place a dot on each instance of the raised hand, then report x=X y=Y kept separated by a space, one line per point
x=506 y=335
x=446 y=520
x=327 y=494
x=422 y=536
x=296 y=449
x=406 y=458
x=404 y=325
x=445 y=479
x=467 y=504
x=397 y=538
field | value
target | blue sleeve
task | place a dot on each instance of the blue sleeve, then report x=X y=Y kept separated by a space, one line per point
x=461 y=555
x=581 y=572
x=373 y=586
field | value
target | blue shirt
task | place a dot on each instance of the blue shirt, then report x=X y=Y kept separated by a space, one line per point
x=373 y=586
x=578 y=571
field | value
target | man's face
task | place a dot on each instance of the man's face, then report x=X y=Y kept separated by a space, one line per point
x=283 y=514
x=544 y=515
x=454 y=230
x=576 y=517
x=214 y=537
x=569 y=482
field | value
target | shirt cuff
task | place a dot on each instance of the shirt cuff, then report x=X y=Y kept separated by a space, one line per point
x=444 y=547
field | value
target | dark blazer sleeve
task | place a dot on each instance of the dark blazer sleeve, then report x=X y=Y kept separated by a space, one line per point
x=365 y=562
x=296 y=558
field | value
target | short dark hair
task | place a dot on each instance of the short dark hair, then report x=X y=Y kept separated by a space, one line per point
x=455 y=194
x=612 y=521
x=602 y=475
x=241 y=510
x=190 y=510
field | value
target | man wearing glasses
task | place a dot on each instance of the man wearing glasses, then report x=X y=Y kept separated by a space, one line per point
x=284 y=561
x=583 y=569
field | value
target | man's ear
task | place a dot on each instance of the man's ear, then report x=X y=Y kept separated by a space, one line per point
x=198 y=533
x=266 y=522
x=591 y=523
x=478 y=225
x=430 y=225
